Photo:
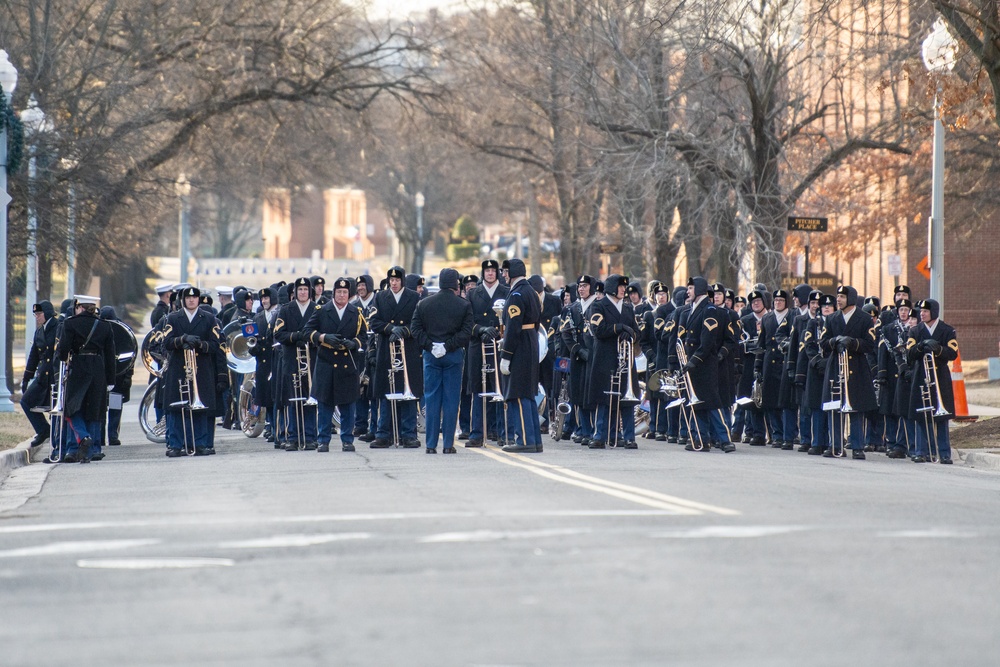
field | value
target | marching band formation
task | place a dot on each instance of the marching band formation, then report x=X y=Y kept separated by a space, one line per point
x=502 y=358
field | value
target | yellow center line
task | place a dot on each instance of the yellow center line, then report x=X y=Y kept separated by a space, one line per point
x=614 y=489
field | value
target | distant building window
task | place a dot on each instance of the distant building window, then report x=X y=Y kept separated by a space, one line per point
x=370 y=230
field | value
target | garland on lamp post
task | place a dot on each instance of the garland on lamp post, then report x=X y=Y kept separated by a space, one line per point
x=10 y=121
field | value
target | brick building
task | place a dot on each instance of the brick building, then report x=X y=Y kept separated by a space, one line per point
x=336 y=222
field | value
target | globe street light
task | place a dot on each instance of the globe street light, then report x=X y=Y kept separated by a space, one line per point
x=36 y=123
x=938 y=53
x=8 y=82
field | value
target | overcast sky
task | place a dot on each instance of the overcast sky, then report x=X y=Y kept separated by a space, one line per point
x=402 y=8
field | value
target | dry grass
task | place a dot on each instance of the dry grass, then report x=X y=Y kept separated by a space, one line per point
x=14 y=428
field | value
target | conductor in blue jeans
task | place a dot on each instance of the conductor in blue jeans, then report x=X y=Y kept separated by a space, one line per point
x=442 y=326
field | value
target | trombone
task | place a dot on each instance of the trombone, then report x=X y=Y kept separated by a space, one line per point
x=615 y=396
x=693 y=400
x=57 y=412
x=397 y=363
x=931 y=401
x=190 y=400
x=490 y=367
x=303 y=370
x=840 y=403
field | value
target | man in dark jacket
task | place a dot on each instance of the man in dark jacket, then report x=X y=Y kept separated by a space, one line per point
x=336 y=329
x=87 y=344
x=931 y=345
x=442 y=326
x=292 y=387
x=39 y=371
x=519 y=361
x=162 y=307
x=485 y=331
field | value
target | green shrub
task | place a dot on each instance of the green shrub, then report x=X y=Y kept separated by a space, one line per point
x=465 y=230
x=458 y=251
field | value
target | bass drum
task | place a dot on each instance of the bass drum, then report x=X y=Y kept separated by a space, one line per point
x=126 y=348
x=155 y=431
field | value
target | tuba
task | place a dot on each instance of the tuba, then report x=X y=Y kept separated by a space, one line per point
x=238 y=346
x=152 y=355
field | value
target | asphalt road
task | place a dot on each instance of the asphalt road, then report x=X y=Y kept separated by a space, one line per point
x=572 y=557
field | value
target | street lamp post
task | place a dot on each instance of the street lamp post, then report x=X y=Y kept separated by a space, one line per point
x=183 y=187
x=35 y=122
x=8 y=82
x=70 y=165
x=419 y=258
x=938 y=53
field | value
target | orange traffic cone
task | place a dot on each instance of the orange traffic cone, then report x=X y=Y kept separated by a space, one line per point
x=958 y=388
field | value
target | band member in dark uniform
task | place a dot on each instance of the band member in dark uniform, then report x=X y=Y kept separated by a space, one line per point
x=769 y=369
x=805 y=302
x=469 y=283
x=932 y=339
x=705 y=333
x=727 y=353
x=519 y=361
x=263 y=352
x=812 y=370
x=336 y=329
x=87 y=345
x=550 y=309
x=612 y=321
x=442 y=326
x=390 y=321
x=672 y=332
x=191 y=328
x=485 y=331
x=162 y=307
x=891 y=355
x=577 y=341
x=749 y=418
x=39 y=371
x=849 y=330
x=289 y=331
x=656 y=321
x=318 y=287
x=364 y=299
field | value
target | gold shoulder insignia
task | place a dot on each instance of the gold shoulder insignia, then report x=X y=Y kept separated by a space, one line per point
x=681 y=331
x=910 y=342
x=318 y=306
x=372 y=311
x=808 y=336
x=658 y=323
x=670 y=326
x=953 y=344
x=711 y=324
x=802 y=346
x=871 y=332
x=730 y=328
x=596 y=319
x=822 y=332
x=513 y=311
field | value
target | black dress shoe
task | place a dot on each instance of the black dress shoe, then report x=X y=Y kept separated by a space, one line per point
x=728 y=447
x=114 y=443
x=649 y=435
x=210 y=450
x=359 y=431
x=788 y=446
x=292 y=447
x=921 y=459
x=756 y=441
x=690 y=447
x=804 y=448
x=201 y=451
x=84 y=454
x=597 y=444
x=311 y=445
x=412 y=443
x=858 y=455
x=828 y=454
x=778 y=444
x=682 y=440
x=278 y=444
x=70 y=458
x=671 y=439
x=323 y=447
x=945 y=461
x=347 y=447
x=448 y=450
x=585 y=442
x=173 y=453
x=630 y=444
x=815 y=451
x=431 y=450
x=474 y=442
x=463 y=435
x=538 y=449
x=367 y=437
x=897 y=453
x=660 y=437
x=39 y=439
x=380 y=443
x=520 y=449
x=99 y=456
x=577 y=439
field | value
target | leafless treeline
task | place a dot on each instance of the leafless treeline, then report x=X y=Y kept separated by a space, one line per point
x=676 y=128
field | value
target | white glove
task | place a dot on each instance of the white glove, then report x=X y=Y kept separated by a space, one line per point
x=110 y=387
x=438 y=350
x=505 y=366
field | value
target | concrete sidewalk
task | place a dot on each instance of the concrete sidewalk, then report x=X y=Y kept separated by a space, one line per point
x=21 y=455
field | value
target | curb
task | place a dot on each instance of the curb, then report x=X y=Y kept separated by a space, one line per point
x=981 y=460
x=12 y=459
